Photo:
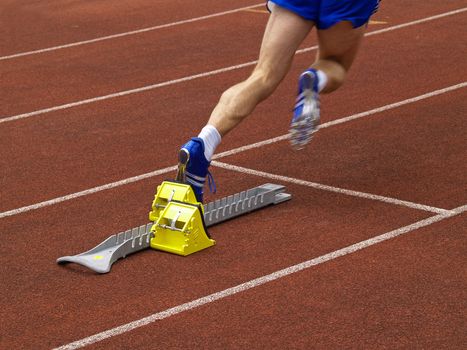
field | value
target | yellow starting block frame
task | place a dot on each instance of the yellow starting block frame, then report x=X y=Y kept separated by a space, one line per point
x=178 y=217
x=170 y=191
x=178 y=224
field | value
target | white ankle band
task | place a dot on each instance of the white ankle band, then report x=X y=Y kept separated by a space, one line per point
x=322 y=80
x=211 y=138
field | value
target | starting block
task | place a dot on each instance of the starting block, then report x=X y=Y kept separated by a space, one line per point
x=178 y=224
x=178 y=217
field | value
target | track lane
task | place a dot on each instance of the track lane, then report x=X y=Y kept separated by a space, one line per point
x=404 y=293
x=33 y=26
x=54 y=78
x=413 y=153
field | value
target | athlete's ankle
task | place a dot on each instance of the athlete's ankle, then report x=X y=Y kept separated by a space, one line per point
x=322 y=80
x=211 y=139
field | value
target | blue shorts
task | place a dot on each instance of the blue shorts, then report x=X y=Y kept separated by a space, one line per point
x=326 y=13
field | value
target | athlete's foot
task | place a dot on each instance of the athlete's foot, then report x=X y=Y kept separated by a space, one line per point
x=193 y=166
x=305 y=119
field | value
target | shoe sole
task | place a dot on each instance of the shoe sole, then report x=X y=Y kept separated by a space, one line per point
x=306 y=124
x=183 y=158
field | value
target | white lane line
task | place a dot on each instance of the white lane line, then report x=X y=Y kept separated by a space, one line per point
x=395 y=105
x=224 y=154
x=200 y=75
x=87 y=192
x=319 y=186
x=133 y=32
x=258 y=281
x=124 y=93
x=251 y=146
x=346 y=119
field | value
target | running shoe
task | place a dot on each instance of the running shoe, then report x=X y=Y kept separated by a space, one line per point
x=193 y=167
x=305 y=119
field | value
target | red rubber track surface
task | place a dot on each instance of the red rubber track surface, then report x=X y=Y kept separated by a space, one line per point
x=407 y=292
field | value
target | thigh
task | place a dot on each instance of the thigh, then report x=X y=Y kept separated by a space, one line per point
x=340 y=43
x=283 y=35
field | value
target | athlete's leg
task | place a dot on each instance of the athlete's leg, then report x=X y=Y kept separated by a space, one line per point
x=338 y=47
x=284 y=33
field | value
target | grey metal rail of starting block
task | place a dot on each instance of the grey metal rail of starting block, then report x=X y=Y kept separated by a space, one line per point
x=118 y=246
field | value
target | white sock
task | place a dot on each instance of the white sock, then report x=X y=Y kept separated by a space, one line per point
x=322 y=80
x=211 y=138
